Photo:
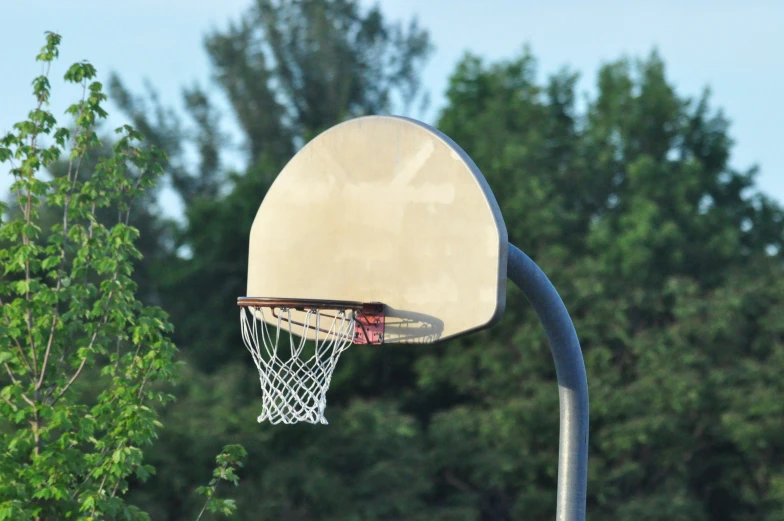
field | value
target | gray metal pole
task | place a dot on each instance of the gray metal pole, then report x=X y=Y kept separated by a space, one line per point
x=572 y=382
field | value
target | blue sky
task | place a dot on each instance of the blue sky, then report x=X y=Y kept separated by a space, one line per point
x=736 y=48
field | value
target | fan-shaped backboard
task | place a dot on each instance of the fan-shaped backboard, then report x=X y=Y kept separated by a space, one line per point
x=385 y=209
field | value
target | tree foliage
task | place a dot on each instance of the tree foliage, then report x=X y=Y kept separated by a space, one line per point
x=669 y=260
x=229 y=460
x=83 y=359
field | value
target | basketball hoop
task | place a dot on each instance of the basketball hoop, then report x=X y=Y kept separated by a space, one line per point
x=295 y=373
x=388 y=209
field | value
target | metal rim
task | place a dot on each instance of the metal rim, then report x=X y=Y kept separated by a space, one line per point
x=298 y=303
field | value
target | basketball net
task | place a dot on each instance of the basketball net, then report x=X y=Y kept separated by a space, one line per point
x=295 y=373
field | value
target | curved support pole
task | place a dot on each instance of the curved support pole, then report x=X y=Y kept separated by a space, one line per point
x=572 y=382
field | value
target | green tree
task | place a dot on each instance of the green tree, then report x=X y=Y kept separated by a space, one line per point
x=83 y=360
x=670 y=262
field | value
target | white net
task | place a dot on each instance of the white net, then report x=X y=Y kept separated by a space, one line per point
x=295 y=372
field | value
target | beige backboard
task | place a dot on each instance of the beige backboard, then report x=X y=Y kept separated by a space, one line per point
x=385 y=209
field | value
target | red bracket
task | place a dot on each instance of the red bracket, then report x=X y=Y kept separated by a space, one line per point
x=369 y=327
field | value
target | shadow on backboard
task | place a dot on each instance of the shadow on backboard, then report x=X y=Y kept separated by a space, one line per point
x=408 y=327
